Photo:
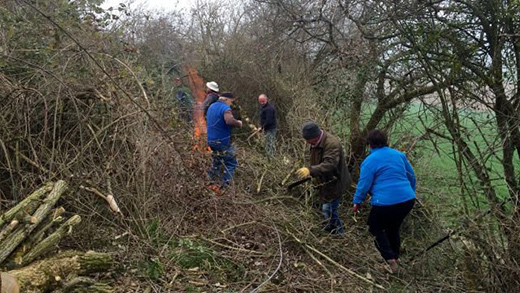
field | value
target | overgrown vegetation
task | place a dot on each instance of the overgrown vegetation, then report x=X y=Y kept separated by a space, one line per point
x=86 y=97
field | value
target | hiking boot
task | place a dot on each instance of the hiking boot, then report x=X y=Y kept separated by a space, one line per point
x=338 y=235
x=330 y=229
x=215 y=188
x=394 y=266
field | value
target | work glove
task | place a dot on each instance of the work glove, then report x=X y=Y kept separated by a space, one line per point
x=303 y=172
x=355 y=208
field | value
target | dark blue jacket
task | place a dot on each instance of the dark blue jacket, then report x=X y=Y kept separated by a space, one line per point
x=219 y=133
x=267 y=117
x=388 y=176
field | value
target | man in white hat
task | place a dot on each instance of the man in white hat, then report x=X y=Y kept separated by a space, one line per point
x=211 y=95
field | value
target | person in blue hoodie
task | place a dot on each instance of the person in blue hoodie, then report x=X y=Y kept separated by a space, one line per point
x=389 y=178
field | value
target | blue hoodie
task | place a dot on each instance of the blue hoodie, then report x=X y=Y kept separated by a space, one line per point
x=388 y=176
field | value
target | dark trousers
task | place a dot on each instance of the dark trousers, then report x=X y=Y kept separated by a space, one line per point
x=384 y=223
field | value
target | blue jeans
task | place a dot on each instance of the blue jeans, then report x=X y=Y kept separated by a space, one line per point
x=223 y=157
x=330 y=212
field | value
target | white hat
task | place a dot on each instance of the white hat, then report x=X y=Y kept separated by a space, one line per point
x=212 y=86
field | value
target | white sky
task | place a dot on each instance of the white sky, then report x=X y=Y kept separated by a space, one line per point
x=163 y=5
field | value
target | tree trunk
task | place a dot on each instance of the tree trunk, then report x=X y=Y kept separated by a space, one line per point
x=48 y=274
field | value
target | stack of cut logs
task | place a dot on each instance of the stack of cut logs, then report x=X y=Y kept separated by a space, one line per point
x=31 y=230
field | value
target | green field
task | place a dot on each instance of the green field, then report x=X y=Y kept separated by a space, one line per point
x=434 y=158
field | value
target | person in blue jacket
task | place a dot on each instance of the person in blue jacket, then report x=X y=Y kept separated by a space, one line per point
x=389 y=178
x=219 y=122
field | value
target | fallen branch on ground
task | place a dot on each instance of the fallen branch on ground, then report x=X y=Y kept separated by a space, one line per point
x=335 y=263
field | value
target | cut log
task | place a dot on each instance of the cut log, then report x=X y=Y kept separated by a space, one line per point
x=49 y=243
x=8 y=284
x=14 y=239
x=8 y=229
x=52 y=219
x=28 y=205
x=44 y=275
x=29 y=219
x=15 y=258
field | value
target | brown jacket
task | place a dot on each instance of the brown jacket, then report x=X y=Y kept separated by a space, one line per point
x=329 y=167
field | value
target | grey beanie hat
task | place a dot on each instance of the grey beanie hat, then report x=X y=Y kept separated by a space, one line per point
x=310 y=130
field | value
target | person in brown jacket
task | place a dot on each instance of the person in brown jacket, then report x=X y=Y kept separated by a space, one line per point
x=328 y=167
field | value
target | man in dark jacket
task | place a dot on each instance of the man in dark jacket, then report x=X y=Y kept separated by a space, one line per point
x=329 y=168
x=267 y=123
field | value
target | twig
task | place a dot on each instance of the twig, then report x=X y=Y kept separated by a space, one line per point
x=323 y=266
x=335 y=263
x=279 y=263
x=260 y=182
x=108 y=198
x=38 y=166
x=136 y=79
x=229 y=247
x=8 y=160
x=456 y=231
x=265 y=199
x=239 y=225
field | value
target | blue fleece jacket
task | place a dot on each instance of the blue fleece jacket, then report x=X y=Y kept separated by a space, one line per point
x=388 y=176
x=219 y=133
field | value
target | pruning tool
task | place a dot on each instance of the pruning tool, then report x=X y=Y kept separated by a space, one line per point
x=296 y=183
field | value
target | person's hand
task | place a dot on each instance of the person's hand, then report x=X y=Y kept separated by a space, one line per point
x=355 y=208
x=240 y=122
x=303 y=172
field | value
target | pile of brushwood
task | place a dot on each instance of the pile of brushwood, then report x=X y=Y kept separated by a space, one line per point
x=31 y=230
